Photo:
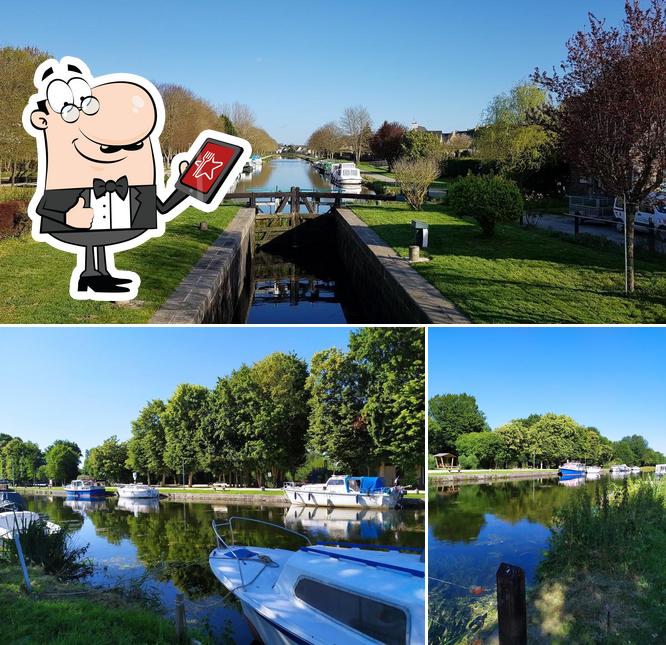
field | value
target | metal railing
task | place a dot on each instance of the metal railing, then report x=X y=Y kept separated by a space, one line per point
x=221 y=542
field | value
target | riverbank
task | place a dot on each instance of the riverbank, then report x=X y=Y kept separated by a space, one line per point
x=491 y=475
x=34 y=282
x=244 y=496
x=524 y=275
x=77 y=614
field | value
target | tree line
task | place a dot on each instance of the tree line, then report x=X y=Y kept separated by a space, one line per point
x=457 y=425
x=24 y=461
x=186 y=115
x=274 y=420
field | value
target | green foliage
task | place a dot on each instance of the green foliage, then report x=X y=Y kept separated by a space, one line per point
x=510 y=139
x=145 y=450
x=454 y=167
x=19 y=460
x=226 y=125
x=484 y=447
x=420 y=144
x=468 y=462
x=449 y=417
x=62 y=460
x=635 y=451
x=108 y=461
x=490 y=200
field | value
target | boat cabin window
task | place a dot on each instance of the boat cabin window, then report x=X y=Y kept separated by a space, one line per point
x=336 y=482
x=373 y=618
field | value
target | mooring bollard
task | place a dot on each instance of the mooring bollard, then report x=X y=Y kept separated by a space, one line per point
x=203 y=226
x=181 y=630
x=511 y=605
x=414 y=253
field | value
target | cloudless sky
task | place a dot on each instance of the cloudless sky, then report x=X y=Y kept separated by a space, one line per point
x=299 y=63
x=610 y=378
x=86 y=384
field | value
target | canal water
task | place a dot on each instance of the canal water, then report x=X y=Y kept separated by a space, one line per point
x=302 y=283
x=472 y=528
x=169 y=543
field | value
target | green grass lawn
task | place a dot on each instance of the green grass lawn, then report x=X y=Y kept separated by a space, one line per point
x=73 y=614
x=525 y=275
x=34 y=277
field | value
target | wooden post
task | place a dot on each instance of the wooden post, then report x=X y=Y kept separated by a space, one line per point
x=511 y=605
x=181 y=629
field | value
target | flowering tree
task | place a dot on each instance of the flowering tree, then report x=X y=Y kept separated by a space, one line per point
x=610 y=106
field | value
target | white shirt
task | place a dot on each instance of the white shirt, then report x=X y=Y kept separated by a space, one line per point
x=110 y=212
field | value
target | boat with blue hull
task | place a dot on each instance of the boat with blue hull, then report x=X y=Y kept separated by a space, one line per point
x=572 y=469
x=84 y=489
x=324 y=593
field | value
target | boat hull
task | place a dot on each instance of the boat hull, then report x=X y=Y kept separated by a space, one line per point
x=267 y=631
x=86 y=494
x=300 y=497
x=572 y=472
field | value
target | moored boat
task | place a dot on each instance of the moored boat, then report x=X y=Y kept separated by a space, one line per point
x=346 y=173
x=138 y=491
x=324 y=593
x=15 y=520
x=620 y=469
x=84 y=488
x=345 y=491
x=572 y=468
x=660 y=469
x=635 y=470
x=593 y=470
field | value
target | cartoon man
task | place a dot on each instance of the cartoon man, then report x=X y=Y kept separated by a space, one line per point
x=100 y=182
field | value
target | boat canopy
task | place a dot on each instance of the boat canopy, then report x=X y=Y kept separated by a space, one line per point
x=371 y=484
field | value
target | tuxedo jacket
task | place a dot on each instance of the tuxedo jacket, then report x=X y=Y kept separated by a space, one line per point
x=144 y=206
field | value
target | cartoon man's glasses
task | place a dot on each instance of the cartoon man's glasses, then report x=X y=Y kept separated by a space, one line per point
x=71 y=112
x=71 y=98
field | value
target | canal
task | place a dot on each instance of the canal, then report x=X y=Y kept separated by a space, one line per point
x=299 y=280
x=169 y=543
x=472 y=528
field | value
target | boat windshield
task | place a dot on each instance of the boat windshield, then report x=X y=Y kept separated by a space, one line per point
x=375 y=619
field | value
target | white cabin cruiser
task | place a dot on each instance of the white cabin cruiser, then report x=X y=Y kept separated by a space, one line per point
x=660 y=469
x=323 y=594
x=138 y=491
x=345 y=491
x=621 y=469
x=21 y=520
x=593 y=470
x=346 y=173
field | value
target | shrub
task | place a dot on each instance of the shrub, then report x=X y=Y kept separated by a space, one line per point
x=461 y=166
x=468 y=462
x=414 y=176
x=489 y=200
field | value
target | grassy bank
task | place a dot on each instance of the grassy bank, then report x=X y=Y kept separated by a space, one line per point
x=602 y=579
x=73 y=614
x=34 y=280
x=525 y=275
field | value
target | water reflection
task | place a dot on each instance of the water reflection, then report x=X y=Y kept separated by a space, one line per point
x=171 y=542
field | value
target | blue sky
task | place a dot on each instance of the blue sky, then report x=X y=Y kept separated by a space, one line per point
x=299 y=63
x=85 y=384
x=611 y=378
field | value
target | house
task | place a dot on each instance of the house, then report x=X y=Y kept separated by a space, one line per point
x=445 y=137
x=446 y=460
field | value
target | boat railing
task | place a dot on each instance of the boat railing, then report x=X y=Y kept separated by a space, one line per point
x=229 y=524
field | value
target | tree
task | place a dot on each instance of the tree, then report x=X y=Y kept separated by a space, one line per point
x=386 y=142
x=510 y=139
x=489 y=200
x=327 y=140
x=337 y=428
x=62 y=460
x=185 y=420
x=414 y=177
x=108 y=461
x=610 y=107
x=417 y=144
x=484 y=446
x=391 y=364
x=449 y=417
x=357 y=129
x=17 y=68
x=145 y=450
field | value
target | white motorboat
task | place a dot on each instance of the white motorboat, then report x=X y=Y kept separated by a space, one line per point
x=346 y=173
x=341 y=523
x=345 y=491
x=635 y=470
x=660 y=469
x=621 y=469
x=323 y=594
x=13 y=520
x=138 y=491
x=593 y=470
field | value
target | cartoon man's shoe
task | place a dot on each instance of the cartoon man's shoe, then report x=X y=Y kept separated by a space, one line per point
x=102 y=284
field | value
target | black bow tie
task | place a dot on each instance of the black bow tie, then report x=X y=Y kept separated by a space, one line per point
x=120 y=186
